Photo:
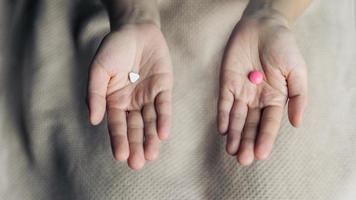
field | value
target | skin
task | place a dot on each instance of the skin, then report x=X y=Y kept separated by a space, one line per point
x=138 y=114
x=250 y=115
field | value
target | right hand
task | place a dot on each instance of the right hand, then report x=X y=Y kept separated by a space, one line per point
x=139 y=113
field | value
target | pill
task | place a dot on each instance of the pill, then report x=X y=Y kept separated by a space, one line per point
x=133 y=77
x=256 y=77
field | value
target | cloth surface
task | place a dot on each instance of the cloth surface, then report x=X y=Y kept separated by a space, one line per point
x=48 y=150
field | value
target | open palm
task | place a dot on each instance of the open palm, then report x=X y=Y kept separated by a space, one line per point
x=251 y=114
x=138 y=113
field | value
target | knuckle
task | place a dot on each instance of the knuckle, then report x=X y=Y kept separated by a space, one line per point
x=248 y=140
x=151 y=137
x=237 y=116
x=150 y=119
x=271 y=120
x=250 y=126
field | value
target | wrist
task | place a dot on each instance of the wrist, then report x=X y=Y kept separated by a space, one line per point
x=267 y=16
x=133 y=12
x=287 y=9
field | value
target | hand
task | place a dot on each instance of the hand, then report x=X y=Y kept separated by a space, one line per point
x=251 y=114
x=138 y=114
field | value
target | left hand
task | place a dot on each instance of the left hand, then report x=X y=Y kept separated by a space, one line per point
x=251 y=114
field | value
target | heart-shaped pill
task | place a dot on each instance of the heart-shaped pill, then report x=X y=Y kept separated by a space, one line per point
x=133 y=77
x=256 y=77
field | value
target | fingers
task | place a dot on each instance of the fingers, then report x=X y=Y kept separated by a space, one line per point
x=151 y=144
x=135 y=136
x=237 y=120
x=163 y=109
x=98 y=82
x=297 y=92
x=117 y=126
x=226 y=100
x=245 y=155
x=270 y=124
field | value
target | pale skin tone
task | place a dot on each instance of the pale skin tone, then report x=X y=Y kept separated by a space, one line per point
x=250 y=115
x=139 y=114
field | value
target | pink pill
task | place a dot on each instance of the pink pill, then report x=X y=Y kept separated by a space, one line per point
x=256 y=77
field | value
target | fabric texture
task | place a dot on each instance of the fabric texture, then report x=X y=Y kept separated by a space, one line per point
x=48 y=149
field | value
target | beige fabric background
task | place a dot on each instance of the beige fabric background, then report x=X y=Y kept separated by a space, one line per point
x=48 y=150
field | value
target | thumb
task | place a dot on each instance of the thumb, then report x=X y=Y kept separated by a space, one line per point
x=297 y=82
x=98 y=83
